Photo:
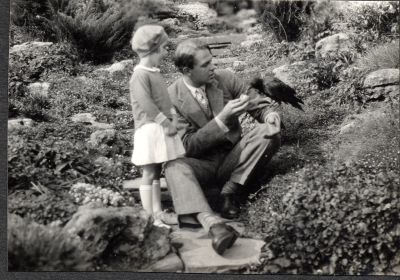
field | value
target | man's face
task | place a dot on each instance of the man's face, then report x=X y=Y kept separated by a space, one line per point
x=203 y=68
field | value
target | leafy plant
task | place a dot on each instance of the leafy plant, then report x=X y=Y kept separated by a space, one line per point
x=98 y=29
x=381 y=57
x=34 y=247
x=284 y=18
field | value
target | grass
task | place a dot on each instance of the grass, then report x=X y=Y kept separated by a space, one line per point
x=381 y=57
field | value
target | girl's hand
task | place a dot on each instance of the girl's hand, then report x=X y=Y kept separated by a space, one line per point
x=169 y=128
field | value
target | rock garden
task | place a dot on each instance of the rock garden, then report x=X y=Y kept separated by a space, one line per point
x=329 y=202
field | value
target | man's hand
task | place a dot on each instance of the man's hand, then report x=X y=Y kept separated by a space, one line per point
x=233 y=108
x=273 y=124
x=169 y=128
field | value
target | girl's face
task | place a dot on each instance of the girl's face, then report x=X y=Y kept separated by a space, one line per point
x=160 y=53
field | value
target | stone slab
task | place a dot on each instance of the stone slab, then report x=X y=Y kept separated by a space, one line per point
x=171 y=263
x=221 y=52
x=234 y=39
x=199 y=257
x=135 y=184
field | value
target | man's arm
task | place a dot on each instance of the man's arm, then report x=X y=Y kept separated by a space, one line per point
x=198 y=141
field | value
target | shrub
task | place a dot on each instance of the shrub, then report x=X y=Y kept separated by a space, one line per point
x=32 y=65
x=381 y=18
x=380 y=57
x=58 y=155
x=33 y=247
x=335 y=218
x=43 y=208
x=284 y=18
x=33 y=17
x=98 y=29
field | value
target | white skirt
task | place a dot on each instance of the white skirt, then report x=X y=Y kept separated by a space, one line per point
x=152 y=145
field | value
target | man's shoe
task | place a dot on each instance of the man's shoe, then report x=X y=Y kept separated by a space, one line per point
x=222 y=237
x=230 y=209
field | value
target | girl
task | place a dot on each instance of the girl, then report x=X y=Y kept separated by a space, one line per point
x=155 y=140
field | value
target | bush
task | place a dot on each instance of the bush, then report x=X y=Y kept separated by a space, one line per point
x=33 y=17
x=33 y=247
x=381 y=18
x=32 y=65
x=380 y=57
x=58 y=155
x=43 y=208
x=98 y=29
x=335 y=218
x=284 y=18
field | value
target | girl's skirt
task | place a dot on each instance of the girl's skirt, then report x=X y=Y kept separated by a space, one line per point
x=152 y=145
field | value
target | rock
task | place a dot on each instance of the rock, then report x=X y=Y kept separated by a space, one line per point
x=15 y=124
x=382 y=83
x=171 y=263
x=83 y=118
x=347 y=128
x=117 y=70
x=123 y=237
x=200 y=12
x=333 y=45
x=247 y=23
x=39 y=89
x=290 y=73
x=105 y=136
x=28 y=45
x=382 y=77
x=198 y=255
x=102 y=125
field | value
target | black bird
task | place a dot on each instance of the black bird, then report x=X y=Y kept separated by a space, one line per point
x=277 y=91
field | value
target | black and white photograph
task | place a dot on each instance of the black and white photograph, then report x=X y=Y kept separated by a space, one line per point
x=222 y=137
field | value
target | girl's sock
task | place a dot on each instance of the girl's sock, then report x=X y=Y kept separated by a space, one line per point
x=146 y=198
x=208 y=219
x=156 y=196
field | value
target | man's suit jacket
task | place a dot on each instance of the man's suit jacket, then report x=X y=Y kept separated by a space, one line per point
x=200 y=133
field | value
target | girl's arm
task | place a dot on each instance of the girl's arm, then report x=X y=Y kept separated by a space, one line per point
x=140 y=90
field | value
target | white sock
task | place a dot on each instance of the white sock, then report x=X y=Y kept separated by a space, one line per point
x=208 y=219
x=146 y=198
x=156 y=196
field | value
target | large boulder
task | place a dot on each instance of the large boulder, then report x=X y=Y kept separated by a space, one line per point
x=290 y=73
x=333 y=45
x=382 y=83
x=121 y=237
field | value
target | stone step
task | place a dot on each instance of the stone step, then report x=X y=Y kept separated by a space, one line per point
x=133 y=186
x=234 y=39
x=171 y=263
x=199 y=257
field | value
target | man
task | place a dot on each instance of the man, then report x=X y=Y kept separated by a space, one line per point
x=208 y=103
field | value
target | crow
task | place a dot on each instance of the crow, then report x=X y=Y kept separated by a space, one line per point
x=277 y=91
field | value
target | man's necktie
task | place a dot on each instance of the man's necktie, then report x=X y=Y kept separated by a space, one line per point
x=201 y=97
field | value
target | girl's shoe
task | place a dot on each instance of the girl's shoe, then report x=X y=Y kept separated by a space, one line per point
x=159 y=223
x=167 y=218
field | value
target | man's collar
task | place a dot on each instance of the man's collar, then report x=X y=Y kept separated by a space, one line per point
x=193 y=89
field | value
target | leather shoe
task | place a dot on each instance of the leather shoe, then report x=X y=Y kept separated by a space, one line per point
x=230 y=209
x=222 y=237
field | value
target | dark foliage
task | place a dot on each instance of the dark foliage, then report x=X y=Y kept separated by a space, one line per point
x=34 y=247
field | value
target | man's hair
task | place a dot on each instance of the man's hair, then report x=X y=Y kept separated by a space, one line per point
x=184 y=54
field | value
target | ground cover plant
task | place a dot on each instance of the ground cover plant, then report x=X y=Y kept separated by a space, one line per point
x=329 y=200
